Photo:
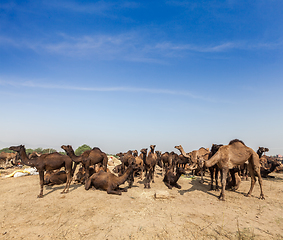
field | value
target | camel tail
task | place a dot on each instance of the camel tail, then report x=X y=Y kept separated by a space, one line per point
x=212 y=161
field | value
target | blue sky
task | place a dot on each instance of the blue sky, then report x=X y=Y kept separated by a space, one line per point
x=124 y=75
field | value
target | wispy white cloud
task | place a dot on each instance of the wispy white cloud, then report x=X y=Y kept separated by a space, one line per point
x=130 y=46
x=32 y=84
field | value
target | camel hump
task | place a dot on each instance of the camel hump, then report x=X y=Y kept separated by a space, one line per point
x=236 y=141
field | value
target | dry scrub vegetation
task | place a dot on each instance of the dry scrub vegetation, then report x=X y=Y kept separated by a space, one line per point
x=192 y=212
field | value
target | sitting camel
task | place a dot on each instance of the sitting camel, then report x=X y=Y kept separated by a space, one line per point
x=234 y=154
x=55 y=178
x=6 y=157
x=47 y=162
x=170 y=179
x=108 y=181
x=87 y=158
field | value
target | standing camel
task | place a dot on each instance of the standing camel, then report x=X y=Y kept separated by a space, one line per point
x=47 y=162
x=87 y=158
x=149 y=165
x=232 y=155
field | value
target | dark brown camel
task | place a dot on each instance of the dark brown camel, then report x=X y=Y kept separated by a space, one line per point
x=232 y=155
x=139 y=160
x=167 y=160
x=47 y=162
x=149 y=165
x=87 y=158
x=214 y=170
x=170 y=179
x=55 y=178
x=261 y=150
x=108 y=181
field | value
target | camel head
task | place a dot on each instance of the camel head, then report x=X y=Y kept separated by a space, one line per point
x=135 y=153
x=152 y=147
x=178 y=147
x=17 y=148
x=263 y=149
x=67 y=148
x=144 y=151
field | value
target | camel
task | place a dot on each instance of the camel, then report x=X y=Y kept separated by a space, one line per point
x=55 y=178
x=261 y=150
x=170 y=179
x=234 y=154
x=6 y=157
x=268 y=165
x=139 y=160
x=127 y=159
x=108 y=181
x=193 y=158
x=167 y=160
x=149 y=165
x=87 y=158
x=214 y=170
x=47 y=162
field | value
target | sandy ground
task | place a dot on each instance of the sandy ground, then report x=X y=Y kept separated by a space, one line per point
x=193 y=212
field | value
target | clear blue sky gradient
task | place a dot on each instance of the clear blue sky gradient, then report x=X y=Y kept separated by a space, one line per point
x=124 y=75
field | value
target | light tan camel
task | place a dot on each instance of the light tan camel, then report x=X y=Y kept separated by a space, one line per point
x=232 y=155
x=6 y=157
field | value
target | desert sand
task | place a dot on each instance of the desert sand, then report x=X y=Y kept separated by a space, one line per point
x=193 y=212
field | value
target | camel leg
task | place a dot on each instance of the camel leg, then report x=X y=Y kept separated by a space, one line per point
x=68 y=183
x=168 y=185
x=41 y=181
x=105 y=161
x=223 y=182
x=112 y=191
x=177 y=186
x=211 y=170
x=201 y=174
x=87 y=184
x=152 y=173
x=141 y=173
x=253 y=179
x=216 y=178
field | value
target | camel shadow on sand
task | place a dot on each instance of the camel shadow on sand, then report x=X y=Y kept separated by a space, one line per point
x=60 y=188
x=205 y=187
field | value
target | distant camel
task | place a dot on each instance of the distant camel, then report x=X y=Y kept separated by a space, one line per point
x=232 y=155
x=6 y=157
x=87 y=158
x=47 y=162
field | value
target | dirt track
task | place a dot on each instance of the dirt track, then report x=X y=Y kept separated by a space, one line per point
x=190 y=213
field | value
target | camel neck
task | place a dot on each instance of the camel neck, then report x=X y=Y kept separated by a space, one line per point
x=25 y=159
x=73 y=156
x=124 y=177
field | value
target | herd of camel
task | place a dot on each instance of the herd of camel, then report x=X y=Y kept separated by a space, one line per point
x=226 y=159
